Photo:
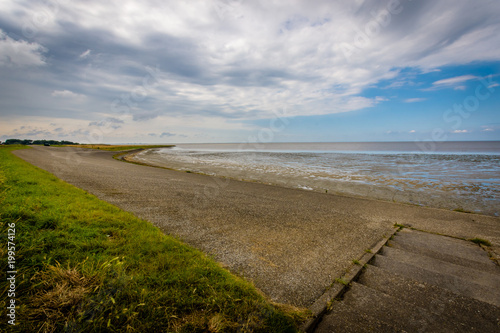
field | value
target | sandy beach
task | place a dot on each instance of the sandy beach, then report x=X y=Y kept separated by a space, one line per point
x=291 y=243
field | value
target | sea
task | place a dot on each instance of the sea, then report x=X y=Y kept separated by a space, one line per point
x=461 y=176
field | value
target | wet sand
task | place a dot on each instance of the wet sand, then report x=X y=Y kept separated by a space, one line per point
x=466 y=183
x=291 y=243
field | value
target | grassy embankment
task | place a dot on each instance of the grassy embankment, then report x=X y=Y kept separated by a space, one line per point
x=85 y=265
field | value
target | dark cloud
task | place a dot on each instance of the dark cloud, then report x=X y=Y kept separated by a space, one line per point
x=146 y=115
x=108 y=122
x=257 y=77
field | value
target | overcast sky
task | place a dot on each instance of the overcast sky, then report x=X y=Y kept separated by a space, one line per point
x=235 y=71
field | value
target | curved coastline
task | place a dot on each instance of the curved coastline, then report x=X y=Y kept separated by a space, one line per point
x=352 y=188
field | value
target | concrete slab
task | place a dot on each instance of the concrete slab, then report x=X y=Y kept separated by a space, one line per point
x=444 y=248
x=481 y=277
x=483 y=317
x=389 y=309
x=458 y=285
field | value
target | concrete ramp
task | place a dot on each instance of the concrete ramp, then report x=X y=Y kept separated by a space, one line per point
x=421 y=282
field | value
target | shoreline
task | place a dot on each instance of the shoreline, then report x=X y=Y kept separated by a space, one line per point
x=494 y=251
x=440 y=147
x=351 y=189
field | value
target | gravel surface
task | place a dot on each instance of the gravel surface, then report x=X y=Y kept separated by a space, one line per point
x=291 y=243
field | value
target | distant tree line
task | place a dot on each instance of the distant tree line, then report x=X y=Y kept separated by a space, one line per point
x=37 y=142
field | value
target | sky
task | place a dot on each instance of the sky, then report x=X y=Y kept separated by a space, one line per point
x=151 y=71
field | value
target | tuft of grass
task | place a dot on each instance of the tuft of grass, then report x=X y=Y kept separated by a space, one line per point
x=356 y=262
x=329 y=304
x=86 y=265
x=480 y=241
x=461 y=210
x=341 y=281
x=368 y=251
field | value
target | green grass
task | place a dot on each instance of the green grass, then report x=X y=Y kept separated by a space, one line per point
x=84 y=265
x=461 y=210
x=480 y=241
x=341 y=281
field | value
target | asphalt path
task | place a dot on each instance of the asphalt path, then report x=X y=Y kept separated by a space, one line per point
x=290 y=243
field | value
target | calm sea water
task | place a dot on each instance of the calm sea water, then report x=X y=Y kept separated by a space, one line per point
x=449 y=175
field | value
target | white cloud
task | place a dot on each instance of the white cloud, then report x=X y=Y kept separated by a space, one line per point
x=415 y=100
x=460 y=131
x=41 y=128
x=20 y=53
x=412 y=131
x=67 y=94
x=490 y=128
x=85 y=54
x=454 y=80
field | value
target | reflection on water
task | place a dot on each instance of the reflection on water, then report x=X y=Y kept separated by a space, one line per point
x=463 y=181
